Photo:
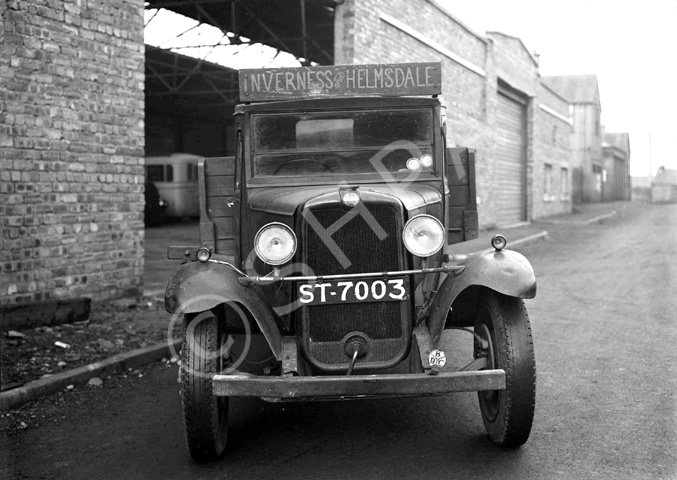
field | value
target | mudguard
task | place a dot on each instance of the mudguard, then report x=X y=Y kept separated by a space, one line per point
x=506 y=271
x=197 y=287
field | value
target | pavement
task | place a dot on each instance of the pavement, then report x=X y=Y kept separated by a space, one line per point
x=158 y=269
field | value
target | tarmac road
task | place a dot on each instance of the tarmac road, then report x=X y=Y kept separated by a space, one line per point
x=605 y=330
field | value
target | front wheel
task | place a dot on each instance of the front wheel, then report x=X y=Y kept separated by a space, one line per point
x=507 y=414
x=205 y=415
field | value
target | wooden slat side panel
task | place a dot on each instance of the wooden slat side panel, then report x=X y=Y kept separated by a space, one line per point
x=470 y=225
x=457 y=155
x=217 y=188
x=206 y=225
x=225 y=246
x=459 y=196
x=455 y=217
x=223 y=227
x=219 y=185
x=220 y=166
x=457 y=159
x=472 y=185
x=220 y=206
x=462 y=208
x=458 y=175
x=454 y=237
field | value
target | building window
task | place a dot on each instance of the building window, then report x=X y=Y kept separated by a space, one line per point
x=565 y=183
x=597 y=172
x=192 y=172
x=547 y=183
x=554 y=134
x=159 y=173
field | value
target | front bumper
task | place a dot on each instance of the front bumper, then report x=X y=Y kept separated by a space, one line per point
x=356 y=386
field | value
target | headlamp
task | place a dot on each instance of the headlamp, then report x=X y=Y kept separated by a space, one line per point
x=275 y=243
x=423 y=235
x=413 y=164
x=426 y=161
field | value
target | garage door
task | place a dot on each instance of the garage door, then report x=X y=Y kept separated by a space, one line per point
x=619 y=179
x=510 y=161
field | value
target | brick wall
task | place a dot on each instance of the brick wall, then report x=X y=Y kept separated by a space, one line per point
x=71 y=149
x=381 y=31
x=384 y=31
x=514 y=64
x=516 y=67
x=553 y=132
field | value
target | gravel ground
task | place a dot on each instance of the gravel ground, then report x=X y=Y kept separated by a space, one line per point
x=113 y=327
x=54 y=409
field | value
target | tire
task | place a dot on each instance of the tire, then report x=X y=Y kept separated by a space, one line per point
x=205 y=416
x=507 y=414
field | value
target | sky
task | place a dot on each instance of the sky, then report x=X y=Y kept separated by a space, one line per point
x=631 y=45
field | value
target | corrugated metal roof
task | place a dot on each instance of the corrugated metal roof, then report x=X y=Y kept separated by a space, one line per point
x=575 y=88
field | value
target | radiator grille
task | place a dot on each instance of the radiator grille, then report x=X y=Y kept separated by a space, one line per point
x=367 y=249
x=332 y=322
x=359 y=241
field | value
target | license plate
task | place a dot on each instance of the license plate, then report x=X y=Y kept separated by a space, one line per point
x=354 y=291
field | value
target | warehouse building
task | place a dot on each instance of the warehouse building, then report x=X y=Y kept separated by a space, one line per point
x=586 y=142
x=84 y=101
x=616 y=184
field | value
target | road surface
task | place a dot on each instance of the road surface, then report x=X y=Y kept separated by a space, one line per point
x=605 y=332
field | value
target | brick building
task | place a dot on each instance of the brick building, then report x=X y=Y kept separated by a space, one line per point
x=71 y=149
x=616 y=182
x=664 y=186
x=73 y=115
x=494 y=97
x=582 y=91
x=552 y=184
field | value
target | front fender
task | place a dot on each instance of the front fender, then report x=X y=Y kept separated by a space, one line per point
x=506 y=271
x=197 y=287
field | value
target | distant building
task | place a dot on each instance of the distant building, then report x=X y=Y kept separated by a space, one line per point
x=664 y=186
x=582 y=91
x=616 y=184
x=641 y=188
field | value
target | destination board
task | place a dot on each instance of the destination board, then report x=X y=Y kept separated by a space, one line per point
x=341 y=80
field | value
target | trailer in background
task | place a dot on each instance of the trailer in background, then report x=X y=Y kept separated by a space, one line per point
x=175 y=177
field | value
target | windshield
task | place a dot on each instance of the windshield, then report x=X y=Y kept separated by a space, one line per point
x=354 y=142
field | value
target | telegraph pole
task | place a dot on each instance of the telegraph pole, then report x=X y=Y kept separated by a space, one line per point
x=650 y=159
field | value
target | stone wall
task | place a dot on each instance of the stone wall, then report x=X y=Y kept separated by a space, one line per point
x=71 y=149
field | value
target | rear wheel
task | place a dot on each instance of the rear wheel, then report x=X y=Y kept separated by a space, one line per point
x=507 y=414
x=205 y=415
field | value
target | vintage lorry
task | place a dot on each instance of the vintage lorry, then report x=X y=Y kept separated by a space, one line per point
x=324 y=270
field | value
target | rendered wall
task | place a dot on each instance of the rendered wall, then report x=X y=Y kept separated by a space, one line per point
x=71 y=149
x=586 y=151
